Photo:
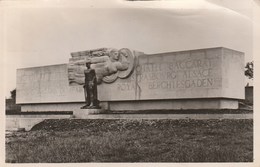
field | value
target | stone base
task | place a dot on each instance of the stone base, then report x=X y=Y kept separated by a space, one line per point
x=46 y=107
x=84 y=113
x=177 y=104
x=164 y=104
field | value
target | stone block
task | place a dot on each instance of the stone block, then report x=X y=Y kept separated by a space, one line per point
x=84 y=113
x=45 y=107
x=194 y=76
x=168 y=104
x=47 y=84
x=203 y=73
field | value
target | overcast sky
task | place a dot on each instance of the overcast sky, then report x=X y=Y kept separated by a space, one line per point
x=45 y=32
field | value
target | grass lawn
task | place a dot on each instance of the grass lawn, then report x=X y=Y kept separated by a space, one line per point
x=72 y=140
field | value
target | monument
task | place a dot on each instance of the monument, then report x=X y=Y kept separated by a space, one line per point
x=211 y=78
x=102 y=65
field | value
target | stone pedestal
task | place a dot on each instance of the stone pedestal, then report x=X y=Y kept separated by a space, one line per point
x=83 y=113
x=180 y=104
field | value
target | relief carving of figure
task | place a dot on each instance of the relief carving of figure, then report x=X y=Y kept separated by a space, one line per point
x=103 y=65
x=109 y=65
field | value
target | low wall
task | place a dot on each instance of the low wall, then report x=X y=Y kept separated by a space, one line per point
x=14 y=122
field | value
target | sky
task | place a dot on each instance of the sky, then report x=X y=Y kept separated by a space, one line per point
x=45 y=32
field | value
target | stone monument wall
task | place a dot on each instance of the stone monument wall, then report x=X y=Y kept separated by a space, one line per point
x=47 y=84
x=205 y=73
x=193 y=79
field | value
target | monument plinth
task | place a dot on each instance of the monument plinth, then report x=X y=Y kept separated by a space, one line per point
x=84 y=113
x=210 y=78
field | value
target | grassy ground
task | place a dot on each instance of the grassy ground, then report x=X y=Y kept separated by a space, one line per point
x=133 y=141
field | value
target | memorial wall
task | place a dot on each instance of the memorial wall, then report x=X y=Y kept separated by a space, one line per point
x=205 y=73
x=213 y=73
x=46 y=84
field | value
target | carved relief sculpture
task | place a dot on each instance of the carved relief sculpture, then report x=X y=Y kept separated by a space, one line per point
x=104 y=65
x=109 y=64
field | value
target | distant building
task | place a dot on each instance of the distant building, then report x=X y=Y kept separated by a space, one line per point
x=11 y=107
x=249 y=94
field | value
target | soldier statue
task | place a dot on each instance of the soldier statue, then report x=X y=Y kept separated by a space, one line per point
x=90 y=88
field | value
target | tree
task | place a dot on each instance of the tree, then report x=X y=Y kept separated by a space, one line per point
x=13 y=94
x=249 y=70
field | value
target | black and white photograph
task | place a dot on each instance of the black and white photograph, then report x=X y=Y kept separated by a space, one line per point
x=129 y=81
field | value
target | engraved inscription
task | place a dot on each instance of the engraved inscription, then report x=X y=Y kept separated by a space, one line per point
x=181 y=74
x=46 y=84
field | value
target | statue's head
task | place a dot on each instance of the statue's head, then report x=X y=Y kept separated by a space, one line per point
x=88 y=65
x=114 y=55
